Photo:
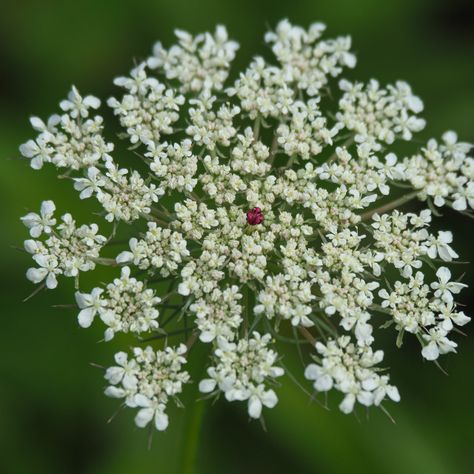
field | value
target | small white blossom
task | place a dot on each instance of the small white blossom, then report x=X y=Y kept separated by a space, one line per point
x=379 y=115
x=218 y=314
x=445 y=288
x=42 y=222
x=437 y=343
x=124 y=196
x=306 y=61
x=440 y=246
x=77 y=105
x=287 y=299
x=175 y=164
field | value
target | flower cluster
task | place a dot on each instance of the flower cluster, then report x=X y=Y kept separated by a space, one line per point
x=72 y=140
x=174 y=164
x=66 y=249
x=379 y=115
x=148 y=109
x=429 y=316
x=444 y=172
x=266 y=210
x=122 y=198
x=241 y=370
x=201 y=63
x=351 y=370
x=147 y=381
x=160 y=249
x=126 y=306
x=218 y=314
x=288 y=299
x=307 y=61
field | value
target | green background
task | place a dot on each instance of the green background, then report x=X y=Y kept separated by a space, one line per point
x=52 y=411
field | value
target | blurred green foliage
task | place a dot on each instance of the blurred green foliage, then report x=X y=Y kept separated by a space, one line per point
x=52 y=411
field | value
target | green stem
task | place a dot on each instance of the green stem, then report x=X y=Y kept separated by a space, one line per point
x=291 y=161
x=389 y=206
x=307 y=335
x=110 y=262
x=247 y=311
x=256 y=128
x=192 y=437
x=346 y=144
x=273 y=149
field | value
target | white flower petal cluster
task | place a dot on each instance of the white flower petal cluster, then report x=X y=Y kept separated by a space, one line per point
x=305 y=60
x=350 y=297
x=443 y=172
x=125 y=306
x=330 y=209
x=78 y=107
x=211 y=126
x=218 y=314
x=379 y=115
x=64 y=249
x=262 y=91
x=42 y=222
x=148 y=109
x=344 y=285
x=202 y=275
x=306 y=134
x=404 y=240
x=147 y=381
x=174 y=164
x=193 y=218
x=241 y=371
x=219 y=183
x=351 y=370
x=273 y=204
x=160 y=249
x=200 y=63
x=428 y=315
x=366 y=173
x=72 y=140
x=249 y=155
x=123 y=198
x=286 y=299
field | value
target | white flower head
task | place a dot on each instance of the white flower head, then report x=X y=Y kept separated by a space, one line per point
x=251 y=214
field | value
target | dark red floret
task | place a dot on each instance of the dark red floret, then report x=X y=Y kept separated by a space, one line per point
x=255 y=216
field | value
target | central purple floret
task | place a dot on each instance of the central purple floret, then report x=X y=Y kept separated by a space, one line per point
x=255 y=216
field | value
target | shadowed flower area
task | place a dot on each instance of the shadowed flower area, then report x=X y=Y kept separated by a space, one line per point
x=286 y=284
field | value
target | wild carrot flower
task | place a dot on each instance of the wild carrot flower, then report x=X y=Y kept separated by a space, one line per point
x=262 y=209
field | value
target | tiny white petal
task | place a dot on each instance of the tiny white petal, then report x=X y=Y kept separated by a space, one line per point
x=254 y=407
